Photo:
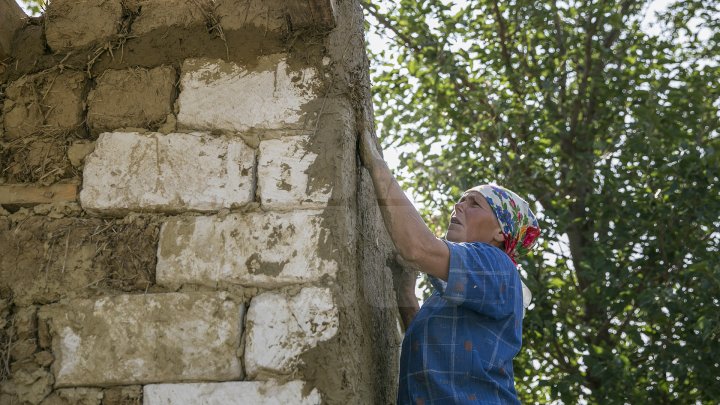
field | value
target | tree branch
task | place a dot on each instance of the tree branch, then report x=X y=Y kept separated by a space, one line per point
x=406 y=40
x=460 y=74
x=502 y=35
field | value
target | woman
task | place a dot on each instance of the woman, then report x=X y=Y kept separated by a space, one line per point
x=460 y=345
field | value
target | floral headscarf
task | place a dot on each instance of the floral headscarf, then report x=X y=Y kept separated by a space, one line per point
x=516 y=219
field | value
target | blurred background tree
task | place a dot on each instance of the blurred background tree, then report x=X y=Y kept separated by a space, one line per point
x=612 y=128
x=33 y=7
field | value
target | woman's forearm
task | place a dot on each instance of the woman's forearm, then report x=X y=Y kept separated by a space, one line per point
x=404 y=224
x=412 y=238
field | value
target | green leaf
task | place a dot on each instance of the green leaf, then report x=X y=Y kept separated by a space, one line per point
x=626 y=280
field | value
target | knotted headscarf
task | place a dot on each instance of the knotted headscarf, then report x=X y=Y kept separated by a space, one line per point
x=517 y=221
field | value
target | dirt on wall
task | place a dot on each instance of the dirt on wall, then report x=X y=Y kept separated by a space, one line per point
x=42 y=159
x=56 y=252
x=46 y=259
x=50 y=103
x=49 y=254
x=137 y=97
x=128 y=34
x=44 y=85
x=360 y=364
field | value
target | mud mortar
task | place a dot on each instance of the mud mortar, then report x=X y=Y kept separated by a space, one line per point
x=118 y=68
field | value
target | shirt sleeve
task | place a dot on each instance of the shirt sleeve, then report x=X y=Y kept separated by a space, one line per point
x=481 y=278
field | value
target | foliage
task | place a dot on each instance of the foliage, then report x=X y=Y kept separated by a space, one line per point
x=613 y=131
x=33 y=7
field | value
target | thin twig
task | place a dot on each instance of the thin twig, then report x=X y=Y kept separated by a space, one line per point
x=67 y=244
x=49 y=173
x=7 y=358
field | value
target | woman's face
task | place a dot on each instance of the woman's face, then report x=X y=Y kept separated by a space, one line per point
x=473 y=220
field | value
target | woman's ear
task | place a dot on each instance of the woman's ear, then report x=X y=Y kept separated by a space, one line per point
x=499 y=237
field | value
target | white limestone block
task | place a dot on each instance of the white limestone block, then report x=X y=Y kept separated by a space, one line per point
x=215 y=94
x=145 y=338
x=283 y=178
x=266 y=249
x=281 y=328
x=231 y=393
x=129 y=171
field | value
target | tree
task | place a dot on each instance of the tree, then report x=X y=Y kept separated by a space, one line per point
x=614 y=132
x=33 y=7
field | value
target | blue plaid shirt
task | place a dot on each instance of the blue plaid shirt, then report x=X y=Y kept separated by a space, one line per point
x=460 y=346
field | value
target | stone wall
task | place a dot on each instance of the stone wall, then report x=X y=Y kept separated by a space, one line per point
x=183 y=218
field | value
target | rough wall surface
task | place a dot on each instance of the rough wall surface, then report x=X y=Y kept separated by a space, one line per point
x=183 y=218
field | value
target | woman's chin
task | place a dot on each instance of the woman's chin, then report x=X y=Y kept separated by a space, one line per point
x=453 y=236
